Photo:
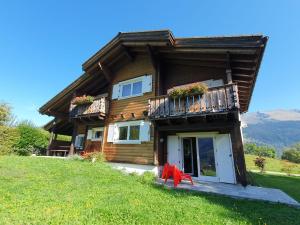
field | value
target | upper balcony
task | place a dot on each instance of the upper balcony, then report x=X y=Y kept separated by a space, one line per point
x=217 y=100
x=96 y=108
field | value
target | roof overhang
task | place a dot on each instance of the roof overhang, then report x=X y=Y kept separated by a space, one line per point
x=245 y=52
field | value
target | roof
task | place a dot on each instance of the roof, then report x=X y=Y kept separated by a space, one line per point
x=246 y=52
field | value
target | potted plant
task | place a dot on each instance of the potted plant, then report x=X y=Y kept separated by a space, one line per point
x=83 y=100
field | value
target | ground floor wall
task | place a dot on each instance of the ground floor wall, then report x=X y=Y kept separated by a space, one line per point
x=154 y=151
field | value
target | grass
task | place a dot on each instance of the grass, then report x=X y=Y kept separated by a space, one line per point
x=275 y=165
x=54 y=191
x=288 y=184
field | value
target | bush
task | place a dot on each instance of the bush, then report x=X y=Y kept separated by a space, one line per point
x=32 y=139
x=260 y=162
x=287 y=168
x=253 y=149
x=291 y=155
x=8 y=137
x=94 y=157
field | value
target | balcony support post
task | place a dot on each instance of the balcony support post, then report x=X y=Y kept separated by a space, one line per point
x=228 y=69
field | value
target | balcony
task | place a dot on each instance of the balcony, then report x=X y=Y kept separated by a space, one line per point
x=216 y=100
x=98 y=108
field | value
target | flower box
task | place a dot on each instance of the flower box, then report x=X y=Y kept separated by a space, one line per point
x=83 y=100
x=188 y=90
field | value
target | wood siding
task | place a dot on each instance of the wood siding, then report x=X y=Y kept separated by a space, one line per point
x=175 y=75
x=131 y=153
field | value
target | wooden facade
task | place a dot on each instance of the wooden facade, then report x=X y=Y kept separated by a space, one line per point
x=130 y=109
x=232 y=61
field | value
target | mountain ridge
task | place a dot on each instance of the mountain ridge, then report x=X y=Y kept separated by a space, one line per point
x=279 y=128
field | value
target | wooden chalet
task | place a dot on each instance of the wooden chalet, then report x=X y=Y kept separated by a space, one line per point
x=134 y=121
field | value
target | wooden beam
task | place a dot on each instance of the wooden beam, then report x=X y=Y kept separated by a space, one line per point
x=107 y=73
x=128 y=54
x=152 y=56
x=228 y=69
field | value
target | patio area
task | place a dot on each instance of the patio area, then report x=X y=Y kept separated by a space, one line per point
x=235 y=191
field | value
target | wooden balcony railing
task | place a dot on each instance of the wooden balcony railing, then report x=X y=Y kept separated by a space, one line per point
x=217 y=99
x=98 y=107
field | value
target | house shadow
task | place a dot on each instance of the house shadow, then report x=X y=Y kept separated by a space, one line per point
x=251 y=211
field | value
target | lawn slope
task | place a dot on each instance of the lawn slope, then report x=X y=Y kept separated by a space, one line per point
x=54 y=191
x=272 y=164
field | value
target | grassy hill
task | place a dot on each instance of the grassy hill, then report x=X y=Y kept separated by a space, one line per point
x=272 y=164
x=54 y=191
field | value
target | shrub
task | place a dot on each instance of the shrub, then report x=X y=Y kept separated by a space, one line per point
x=32 y=139
x=287 y=168
x=291 y=155
x=8 y=137
x=260 y=162
x=94 y=157
x=253 y=149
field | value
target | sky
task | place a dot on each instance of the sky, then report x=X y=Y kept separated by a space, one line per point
x=44 y=43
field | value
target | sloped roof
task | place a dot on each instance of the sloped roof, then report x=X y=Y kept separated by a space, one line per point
x=246 y=52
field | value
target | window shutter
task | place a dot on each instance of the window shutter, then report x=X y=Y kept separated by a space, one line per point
x=115 y=92
x=89 y=135
x=145 y=131
x=76 y=141
x=147 y=83
x=110 y=133
x=116 y=132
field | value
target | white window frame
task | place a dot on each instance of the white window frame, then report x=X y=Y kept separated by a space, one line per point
x=131 y=82
x=94 y=130
x=128 y=124
x=76 y=141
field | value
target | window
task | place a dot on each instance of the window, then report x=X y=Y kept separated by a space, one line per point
x=123 y=133
x=95 y=134
x=133 y=87
x=134 y=133
x=79 y=140
x=126 y=90
x=131 y=132
x=137 y=88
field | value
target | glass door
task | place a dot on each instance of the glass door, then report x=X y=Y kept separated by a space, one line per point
x=187 y=156
x=206 y=158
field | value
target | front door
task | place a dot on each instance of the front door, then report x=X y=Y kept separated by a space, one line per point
x=187 y=147
x=207 y=168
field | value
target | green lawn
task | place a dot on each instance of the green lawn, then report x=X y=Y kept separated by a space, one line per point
x=288 y=184
x=272 y=164
x=55 y=191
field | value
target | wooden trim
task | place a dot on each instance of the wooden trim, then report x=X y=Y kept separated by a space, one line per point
x=107 y=73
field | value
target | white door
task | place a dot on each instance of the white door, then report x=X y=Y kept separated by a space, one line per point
x=224 y=159
x=174 y=152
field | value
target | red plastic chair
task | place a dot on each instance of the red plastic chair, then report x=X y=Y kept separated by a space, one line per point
x=175 y=173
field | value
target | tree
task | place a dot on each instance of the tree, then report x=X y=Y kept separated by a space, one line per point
x=264 y=150
x=5 y=113
x=292 y=153
x=32 y=139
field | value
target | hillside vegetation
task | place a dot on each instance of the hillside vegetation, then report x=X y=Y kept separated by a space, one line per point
x=277 y=128
x=272 y=164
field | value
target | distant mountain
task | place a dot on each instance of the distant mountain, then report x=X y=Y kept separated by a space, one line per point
x=279 y=128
